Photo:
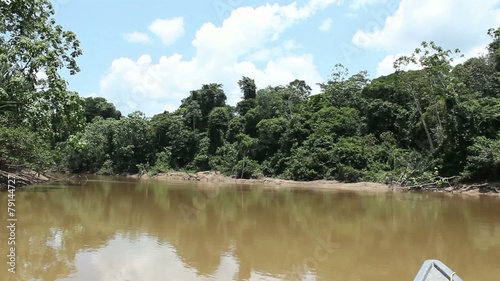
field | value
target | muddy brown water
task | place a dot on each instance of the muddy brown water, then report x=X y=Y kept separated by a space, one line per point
x=123 y=229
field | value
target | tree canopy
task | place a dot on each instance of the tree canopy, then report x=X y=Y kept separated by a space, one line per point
x=34 y=99
x=440 y=120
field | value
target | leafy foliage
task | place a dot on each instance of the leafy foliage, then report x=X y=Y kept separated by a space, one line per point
x=483 y=161
x=31 y=43
x=100 y=107
x=21 y=147
x=406 y=127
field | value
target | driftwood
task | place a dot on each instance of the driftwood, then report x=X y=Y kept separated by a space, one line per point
x=21 y=178
x=474 y=186
x=436 y=184
x=194 y=177
x=456 y=187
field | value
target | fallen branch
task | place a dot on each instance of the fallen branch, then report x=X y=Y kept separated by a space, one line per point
x=436 y=183
x=474 y=186
x=193 y=177
x=420 y=186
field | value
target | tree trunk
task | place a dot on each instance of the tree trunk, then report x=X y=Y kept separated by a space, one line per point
x=429 y=138
x=243 y=166
x=420 y=111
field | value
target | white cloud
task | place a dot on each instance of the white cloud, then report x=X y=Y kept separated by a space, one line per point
x=451 y=24
x=357 y=4
x=248 y=28
x=447 y=22
x=91 y=95
x=265 y=54
x=291 y=44
x=479 y=50
x=135 y=85
x=326 y=24
x=223 y=55
x=314 y=5
x=386 y=66
x=281 y=71
x=138 y=85
x=168 y=30
x=137 y=37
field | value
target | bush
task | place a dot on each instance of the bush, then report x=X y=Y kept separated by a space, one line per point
x=201 y=162
x=246 y=169
x=162 y=162
x=347 y=173
x=225 y=159
x=22 y=147
x=306 y=164
x=107 y=168
x=483 y=160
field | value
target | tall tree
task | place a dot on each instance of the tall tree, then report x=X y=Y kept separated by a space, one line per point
x=431 y=88
x=100 y=107
x=494 y=46
x=33 y=49
x=34 y=99
x=344 y=91
x=249 y=90
x=205 y=99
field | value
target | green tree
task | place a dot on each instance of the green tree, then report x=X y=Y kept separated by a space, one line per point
x=34 y=99
x=132 y=142
x=33 y=49
x=201 y=161
x=170 y=132
x=337 y=122
x=218 y=123
x=494 y=47
x=270 y=103
x=100 y=107
x=87 y=151
x=20 y=147
x=432 y=89
x=205 y=99
x=246 y=167
x=193 y=113
x=249 y=90
x=311 y=161
x=483 y=161
x=388 y=109
x=343 y=91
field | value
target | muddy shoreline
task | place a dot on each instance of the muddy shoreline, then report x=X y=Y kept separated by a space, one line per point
x=319 y=185
x=210 y=178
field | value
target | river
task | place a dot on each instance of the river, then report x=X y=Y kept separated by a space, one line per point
x=123 y=229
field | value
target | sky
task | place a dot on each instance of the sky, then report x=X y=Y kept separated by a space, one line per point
x=148 y=55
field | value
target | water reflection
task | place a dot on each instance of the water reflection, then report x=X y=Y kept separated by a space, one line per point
x=145 y=258
x=163 y=231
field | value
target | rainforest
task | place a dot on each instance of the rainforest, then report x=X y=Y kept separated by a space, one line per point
x=433 y=119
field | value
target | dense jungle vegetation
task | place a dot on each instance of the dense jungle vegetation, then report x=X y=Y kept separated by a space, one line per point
x=408 y=127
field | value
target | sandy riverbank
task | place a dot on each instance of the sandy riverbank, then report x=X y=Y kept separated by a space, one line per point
x=218 y=178
x=210 y=178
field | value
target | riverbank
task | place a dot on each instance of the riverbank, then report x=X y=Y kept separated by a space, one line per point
x=21 y=178
x=216 y=177
x=27 y=177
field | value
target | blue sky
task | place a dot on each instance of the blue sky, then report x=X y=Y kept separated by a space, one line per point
x=147 y=55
